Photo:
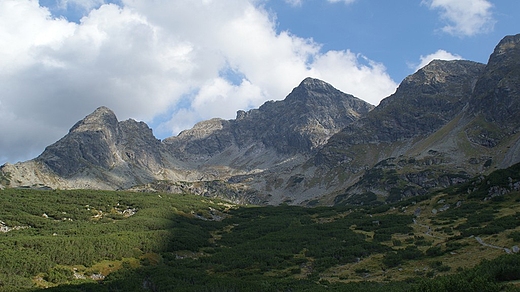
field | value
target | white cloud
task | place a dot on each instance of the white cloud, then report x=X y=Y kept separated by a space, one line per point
x=354 y=74
x=144 y=57
x=214 y=100
x=84 y=4
x=464 y=17
x=294 y=2
x=439 y=55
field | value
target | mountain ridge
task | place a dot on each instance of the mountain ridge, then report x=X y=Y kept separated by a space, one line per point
x=446 y=122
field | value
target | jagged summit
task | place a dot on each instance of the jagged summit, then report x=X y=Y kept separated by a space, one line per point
x=304 y=120
x=101 y=117
x=423 y=103
x=101 y=142
x=314 y=90
x=432 y=78
x=507 y=48
x=313 y=84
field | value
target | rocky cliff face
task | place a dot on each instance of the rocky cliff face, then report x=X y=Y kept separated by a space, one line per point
x=101 y=142
x=91 y=141
x=423 y=103
x=305 y=120
x=496 y=97
x=497 y=90
x=445 y=123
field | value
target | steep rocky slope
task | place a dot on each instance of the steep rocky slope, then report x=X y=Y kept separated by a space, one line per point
x=423 y=103
x=305 y=120
x=101 y=141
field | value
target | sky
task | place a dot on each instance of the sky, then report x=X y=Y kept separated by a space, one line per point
x=173 y=63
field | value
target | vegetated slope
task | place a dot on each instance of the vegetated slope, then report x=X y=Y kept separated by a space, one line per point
x=167 y=242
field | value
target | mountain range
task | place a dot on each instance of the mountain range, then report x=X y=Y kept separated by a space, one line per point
x=446 y=123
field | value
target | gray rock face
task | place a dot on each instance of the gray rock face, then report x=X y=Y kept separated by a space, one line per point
x=497 y=95
x=423 y=103
x=305 y=120
x=436 y=122
x=308 y=117
x=100 y=141
x=90 y=142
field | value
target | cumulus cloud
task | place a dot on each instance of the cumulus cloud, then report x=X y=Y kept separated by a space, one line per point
x=354 y=74
x=84 y=4
x=439 y=55
x=464 y=17
x=169 y=63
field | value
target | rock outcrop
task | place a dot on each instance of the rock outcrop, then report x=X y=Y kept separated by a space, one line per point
x=100 y=141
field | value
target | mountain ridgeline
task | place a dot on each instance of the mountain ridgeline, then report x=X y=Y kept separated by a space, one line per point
x=446 y=123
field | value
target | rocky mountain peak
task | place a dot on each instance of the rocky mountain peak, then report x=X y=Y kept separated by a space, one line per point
x=314 y=84
x=102 y=117
x=423 y=103
x=497 y=91
x=433 y=77
x=509 y=46
x=303 y=121
x=311 y=89
x=203 y=129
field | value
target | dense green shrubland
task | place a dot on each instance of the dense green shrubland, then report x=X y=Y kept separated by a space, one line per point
x=172 y=243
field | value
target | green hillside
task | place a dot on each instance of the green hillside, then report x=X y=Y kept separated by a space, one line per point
x=461 y=239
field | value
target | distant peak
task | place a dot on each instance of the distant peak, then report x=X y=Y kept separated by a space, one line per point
x=438 y=70
x=309 y=87
x=437 y=65
x=103 y=110
x=313 y=83
x=102 y=113
x=508 y=43
x=506 y=53
x=102 y=116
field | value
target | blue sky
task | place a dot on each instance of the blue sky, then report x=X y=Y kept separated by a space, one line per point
x=395 y=33
x=174 y=63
